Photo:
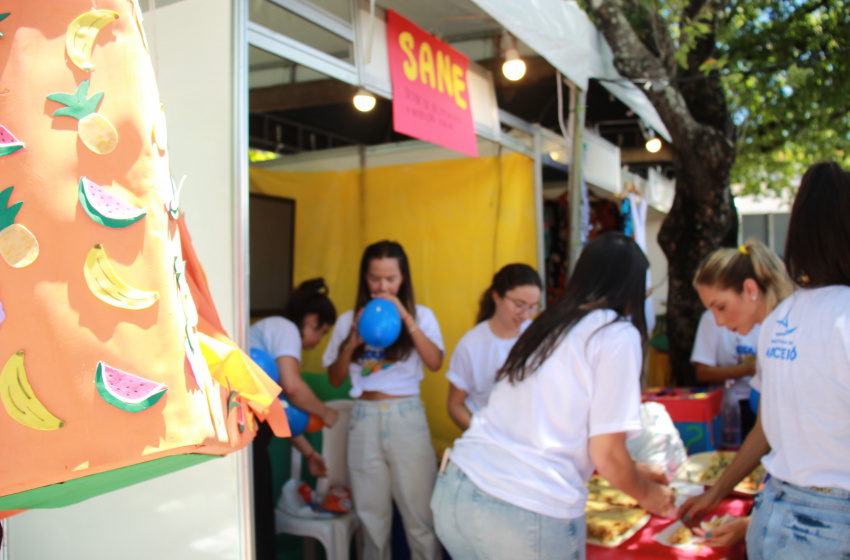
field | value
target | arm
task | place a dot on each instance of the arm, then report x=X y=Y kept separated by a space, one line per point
x=611 y=459
x=338 y=371
x=299 y=393
x=717 y=375
x=430 y=353
x=457 y=409
x=315 y=462
x=754 y=448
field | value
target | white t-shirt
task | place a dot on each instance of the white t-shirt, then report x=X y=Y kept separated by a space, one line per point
x=373 y=373
x=529 y=445
x=719 y=347
x=277 y=336
x=475 y=361
x=804 y=379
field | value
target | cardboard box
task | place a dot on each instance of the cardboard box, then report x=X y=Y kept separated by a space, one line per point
x=695 y=411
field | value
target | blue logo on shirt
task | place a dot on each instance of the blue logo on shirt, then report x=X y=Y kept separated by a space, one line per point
x=783 y=348
x=784 y=323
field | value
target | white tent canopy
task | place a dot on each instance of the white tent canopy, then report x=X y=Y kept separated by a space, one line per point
x=560 y=32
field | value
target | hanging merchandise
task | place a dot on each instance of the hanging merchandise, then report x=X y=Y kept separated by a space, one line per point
x=117 y=368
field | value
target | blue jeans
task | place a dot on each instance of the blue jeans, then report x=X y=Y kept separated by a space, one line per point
x=795 y=523
x=473 y=525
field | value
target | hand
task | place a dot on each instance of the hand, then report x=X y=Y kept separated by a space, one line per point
x=353 y=339
x=730 y=533
x=330 y=416
x=658 y=500
x=653 y=473
x=696 y=508
x=395 y=301
x=316 y=465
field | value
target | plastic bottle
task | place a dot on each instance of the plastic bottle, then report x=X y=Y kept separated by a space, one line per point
x=730 y=417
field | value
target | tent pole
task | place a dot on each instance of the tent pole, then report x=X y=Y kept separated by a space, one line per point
x=578 y=101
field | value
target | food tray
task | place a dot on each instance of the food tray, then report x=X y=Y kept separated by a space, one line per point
x=692 y=469
x=639 y=524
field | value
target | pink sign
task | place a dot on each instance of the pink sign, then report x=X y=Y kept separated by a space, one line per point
x=430 y=92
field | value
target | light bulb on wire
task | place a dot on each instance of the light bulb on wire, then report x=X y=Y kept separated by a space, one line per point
x=364 y=101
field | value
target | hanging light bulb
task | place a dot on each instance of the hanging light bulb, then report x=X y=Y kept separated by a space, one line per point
x=653 y=143
x=513 y=67
x=364 y=100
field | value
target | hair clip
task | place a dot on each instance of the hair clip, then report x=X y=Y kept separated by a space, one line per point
x=743 y=250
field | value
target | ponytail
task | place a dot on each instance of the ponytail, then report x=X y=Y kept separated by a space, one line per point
x=509 y=277
x=726 y=269
x=311 y=296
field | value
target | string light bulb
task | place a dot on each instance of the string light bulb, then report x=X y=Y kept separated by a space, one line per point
x=364 y=101
x=513 y=67
x=653 y=143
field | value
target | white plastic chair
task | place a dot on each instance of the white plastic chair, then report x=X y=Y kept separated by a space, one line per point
x=334 y=533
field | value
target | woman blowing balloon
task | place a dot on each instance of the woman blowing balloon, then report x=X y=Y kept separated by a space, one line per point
x=390 y=457
x=504 y=312
x=802 y=434
x=567 y=399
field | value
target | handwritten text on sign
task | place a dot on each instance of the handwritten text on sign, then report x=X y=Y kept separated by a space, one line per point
x=430 y=93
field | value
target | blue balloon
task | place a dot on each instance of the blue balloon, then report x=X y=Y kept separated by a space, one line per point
x=380 y=323
x=297 y=418
x=266 y=363
x=754 y=401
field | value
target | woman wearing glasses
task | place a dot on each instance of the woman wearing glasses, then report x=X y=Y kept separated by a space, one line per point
x=504 y=312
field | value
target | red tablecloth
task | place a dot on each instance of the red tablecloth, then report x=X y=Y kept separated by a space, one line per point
x=643 y=546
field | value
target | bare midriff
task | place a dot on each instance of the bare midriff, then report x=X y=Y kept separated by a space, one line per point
x=379 y=396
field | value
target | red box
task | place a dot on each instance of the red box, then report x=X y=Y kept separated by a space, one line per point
x=695 y=412
x=688 y=404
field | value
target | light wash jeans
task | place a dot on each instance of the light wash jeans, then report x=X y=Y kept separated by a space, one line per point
x=390 y=458
x=473 y=525
x=794 y=523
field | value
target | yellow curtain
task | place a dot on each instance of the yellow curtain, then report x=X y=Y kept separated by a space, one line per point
x=458 y=220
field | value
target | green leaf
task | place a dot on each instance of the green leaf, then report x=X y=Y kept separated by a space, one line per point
x=78 y=105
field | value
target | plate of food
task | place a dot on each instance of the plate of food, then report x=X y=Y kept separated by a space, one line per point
x=612 y=516
x=681 y=537
x=705 y=468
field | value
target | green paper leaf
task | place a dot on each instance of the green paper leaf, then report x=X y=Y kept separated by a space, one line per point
x=78 y=105
x=7 y=215
x=2 y=17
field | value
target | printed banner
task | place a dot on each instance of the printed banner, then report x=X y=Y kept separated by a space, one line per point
x=430 y=91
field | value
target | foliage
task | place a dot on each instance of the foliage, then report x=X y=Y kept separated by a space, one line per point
x=787 y=75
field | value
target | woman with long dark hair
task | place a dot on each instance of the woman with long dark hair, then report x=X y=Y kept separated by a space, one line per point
x=504 y=312
x=802 y=431
x=307 y=317
x=567 y=398
x=390 y=457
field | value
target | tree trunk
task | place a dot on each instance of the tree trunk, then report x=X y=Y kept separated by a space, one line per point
x=703 y=216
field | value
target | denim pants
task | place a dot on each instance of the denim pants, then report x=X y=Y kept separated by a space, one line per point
x=795 y=523
x=390 y=458
x=474 y=525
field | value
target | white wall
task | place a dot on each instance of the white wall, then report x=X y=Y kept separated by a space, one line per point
x=194 y=513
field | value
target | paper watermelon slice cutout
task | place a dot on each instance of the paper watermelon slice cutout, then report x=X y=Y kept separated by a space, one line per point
x=8 y=143
x=126 y=391
x=105 y=208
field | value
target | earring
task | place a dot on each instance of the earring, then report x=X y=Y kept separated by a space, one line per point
x=754 y=297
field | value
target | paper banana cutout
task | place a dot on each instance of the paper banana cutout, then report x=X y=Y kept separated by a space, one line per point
x=106 y=286
x=19 y=399
x=79 y=40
